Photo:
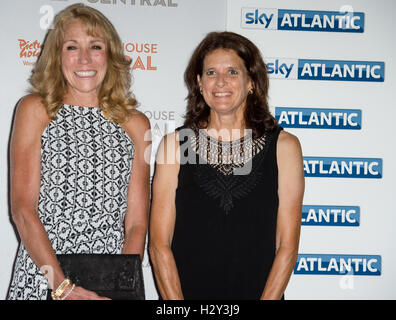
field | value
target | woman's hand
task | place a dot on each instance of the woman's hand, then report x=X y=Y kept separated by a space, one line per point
x=79 y=293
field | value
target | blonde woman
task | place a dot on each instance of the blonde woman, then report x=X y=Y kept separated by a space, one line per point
x=79 y=179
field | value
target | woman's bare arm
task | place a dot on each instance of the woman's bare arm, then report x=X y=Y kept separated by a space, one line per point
x=162 y=220
x=136 y=218
x=25 y=159
x=290 y=192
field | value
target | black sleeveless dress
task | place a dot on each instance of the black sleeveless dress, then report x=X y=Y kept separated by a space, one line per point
x=224 y=236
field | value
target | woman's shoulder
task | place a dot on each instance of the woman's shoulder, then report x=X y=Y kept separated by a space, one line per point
x=137 y=125
x=288 y=143
x=137 y=120
x=168 y=149
x=287 y=138
x=29 y=121
x=32 y=101
x=31 y=107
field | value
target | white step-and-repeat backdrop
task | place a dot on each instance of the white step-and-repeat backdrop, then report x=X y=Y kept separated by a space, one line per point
x=333 y=78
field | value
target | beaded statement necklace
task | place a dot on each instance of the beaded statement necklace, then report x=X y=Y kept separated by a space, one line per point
x=226 y=156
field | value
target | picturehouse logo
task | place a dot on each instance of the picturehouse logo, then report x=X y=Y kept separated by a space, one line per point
x=162 y=122
x=330 y=70
x=142 y=55
x=319 y=118
x=302 y=20
x=29 y=51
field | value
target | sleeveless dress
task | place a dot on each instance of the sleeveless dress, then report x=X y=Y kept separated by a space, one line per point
x=225 y=229
x=86 y=162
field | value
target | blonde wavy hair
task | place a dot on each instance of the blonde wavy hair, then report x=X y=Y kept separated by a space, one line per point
x=48 y=81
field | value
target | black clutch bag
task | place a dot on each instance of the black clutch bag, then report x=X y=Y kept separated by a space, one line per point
x=116 y=276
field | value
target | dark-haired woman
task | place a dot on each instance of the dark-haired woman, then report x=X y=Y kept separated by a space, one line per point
x=228 y=188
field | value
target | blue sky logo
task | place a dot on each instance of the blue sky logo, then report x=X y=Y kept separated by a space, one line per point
x=338 y=264
x=319 y=118
x=339 y=216
x=302 y=20
x=329 y=167
x=278 y=68
x=259 y=17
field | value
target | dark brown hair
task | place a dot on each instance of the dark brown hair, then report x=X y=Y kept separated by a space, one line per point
x=257 y=114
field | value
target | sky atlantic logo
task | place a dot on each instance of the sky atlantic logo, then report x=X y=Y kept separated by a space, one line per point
x=319 y=118
x=336 y=167
x=330 y=70
x=337 y=216
x=338 y=264
x=302 y=20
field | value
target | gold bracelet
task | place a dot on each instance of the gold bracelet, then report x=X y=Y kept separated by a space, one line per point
x=67 y=294
x=58 y=292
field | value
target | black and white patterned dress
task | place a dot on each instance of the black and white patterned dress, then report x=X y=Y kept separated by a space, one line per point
x=86 y=162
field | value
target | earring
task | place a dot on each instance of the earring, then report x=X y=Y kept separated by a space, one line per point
x=250 y=91
x=200 y=90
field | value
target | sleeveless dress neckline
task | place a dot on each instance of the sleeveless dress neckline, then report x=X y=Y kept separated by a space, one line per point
x=76 y=106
